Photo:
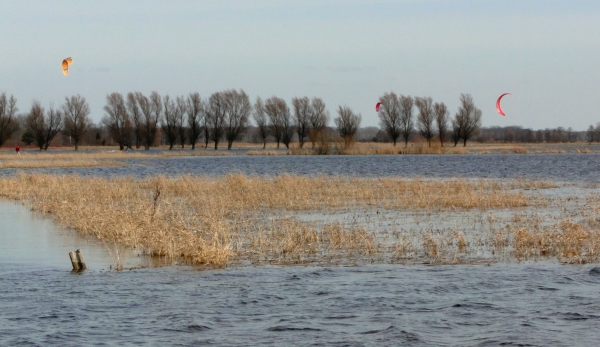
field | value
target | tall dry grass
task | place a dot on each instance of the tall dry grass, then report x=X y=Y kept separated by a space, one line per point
x=241 y=218
x=569 y=241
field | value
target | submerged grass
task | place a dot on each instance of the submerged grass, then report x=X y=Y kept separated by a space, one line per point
x=238 y=219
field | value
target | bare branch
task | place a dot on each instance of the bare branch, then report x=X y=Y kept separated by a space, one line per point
x=260 y=117
x=347 y=124
x=76 y=118
x=303 y=113
x=389 y=115
x=425 y=117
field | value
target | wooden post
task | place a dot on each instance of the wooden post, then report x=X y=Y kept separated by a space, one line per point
x=77 y=260
x=80 y=259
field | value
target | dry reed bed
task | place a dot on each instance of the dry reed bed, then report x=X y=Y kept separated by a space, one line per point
x=112 y=154
x=363 y=149
x=238 y=218
x=32 y=164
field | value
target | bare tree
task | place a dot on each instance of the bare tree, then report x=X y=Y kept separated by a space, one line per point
x=389 y=115
x=195 y=116
x=54 y=124
x=347 y=124
x=170 y=120
x=276 y=108
x=468 y=118
x=151 y=110
x=181 y=120
x=318 y=121
x=590 y=134
x=406 y=118
x=456 y=130
x=260 y=117
x=425 y=117
x=216 y=117
x=76 y=118
x=302 y=117
x=117 y=120
x=287 y=127
x=570 y=134
x=237 y=115
x=441 y=119
x=35 y=123
x=43 y=127
x=136 y=118
x=206 y=128
x=8 y=114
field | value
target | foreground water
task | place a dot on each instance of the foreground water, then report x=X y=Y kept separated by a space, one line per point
x=524 y=304
x=538 y=304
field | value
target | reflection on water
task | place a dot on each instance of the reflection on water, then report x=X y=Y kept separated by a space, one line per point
x=30 y=241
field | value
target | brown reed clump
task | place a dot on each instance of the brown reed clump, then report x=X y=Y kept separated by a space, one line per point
x=267 y=152
x=568 y=241
x=520 y=150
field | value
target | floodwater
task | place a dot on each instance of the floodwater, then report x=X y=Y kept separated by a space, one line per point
x=557 y=167
x=43 y=303
x=374 y=305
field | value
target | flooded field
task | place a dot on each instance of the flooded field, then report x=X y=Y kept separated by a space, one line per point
x=557 y=167
x=518 y=267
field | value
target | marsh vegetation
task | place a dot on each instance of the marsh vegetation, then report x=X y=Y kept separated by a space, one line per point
x=238 y=219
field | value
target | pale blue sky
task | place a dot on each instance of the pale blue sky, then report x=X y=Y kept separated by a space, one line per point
x=546 y=52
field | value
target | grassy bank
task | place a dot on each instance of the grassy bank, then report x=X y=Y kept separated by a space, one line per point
x=371 y=148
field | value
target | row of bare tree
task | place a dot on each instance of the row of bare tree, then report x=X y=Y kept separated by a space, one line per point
x=225 y=115
x=396 y=115
x=525 y=135
x=72 y=118
x=138 y=120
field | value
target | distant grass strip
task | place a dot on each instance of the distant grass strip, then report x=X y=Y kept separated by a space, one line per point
x=113 y=154
x=41 y=163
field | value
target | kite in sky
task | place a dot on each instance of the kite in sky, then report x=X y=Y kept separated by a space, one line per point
x=498 y=104
x=65 y=65
x=377 y=106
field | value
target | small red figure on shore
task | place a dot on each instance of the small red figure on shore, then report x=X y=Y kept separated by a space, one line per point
x=18 y=149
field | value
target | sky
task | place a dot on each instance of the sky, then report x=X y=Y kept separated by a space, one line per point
x=545 y=52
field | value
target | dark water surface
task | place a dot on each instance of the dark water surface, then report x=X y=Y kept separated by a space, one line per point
x=378 y=305
x=529 y=304
x=559 y=167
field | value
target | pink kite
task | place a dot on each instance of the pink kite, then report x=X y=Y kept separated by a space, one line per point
x=498 y=104
x=377 y=106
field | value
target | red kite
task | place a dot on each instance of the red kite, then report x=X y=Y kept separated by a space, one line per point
x=498 y=104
